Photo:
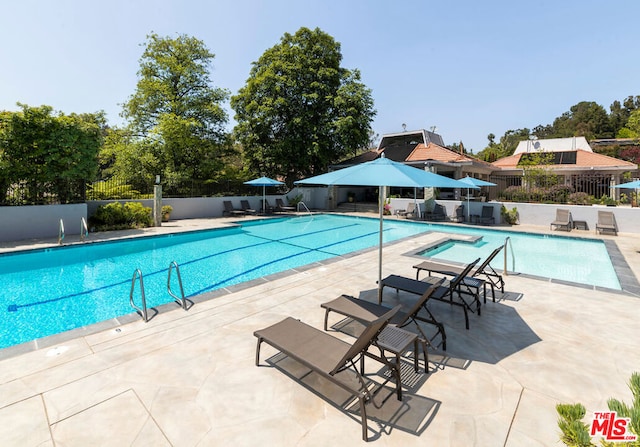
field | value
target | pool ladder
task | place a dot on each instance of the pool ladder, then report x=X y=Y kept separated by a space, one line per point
x=60 y=232
x=507 y=244
x=305 y=207
x=142 y=311
x=178 y=299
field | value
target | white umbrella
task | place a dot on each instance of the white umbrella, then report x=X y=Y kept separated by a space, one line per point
x=383 y=172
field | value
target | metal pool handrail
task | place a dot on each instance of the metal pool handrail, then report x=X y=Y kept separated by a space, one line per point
x=178 y=299
x=137 y=274
x=60 y=232
x=84 y=231
x=305 y=207
x=507 y=244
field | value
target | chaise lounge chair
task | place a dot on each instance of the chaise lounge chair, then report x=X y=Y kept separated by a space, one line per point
x=483 y=270
x=281 y=207
x=409 y=211
x=438 y=214
x=607 y=222
x=564 y=220
x=487 y=216
x=332 y=358
x=229 y=210
x=246 y=207
x=265 y=208
x=365 y=312
x=443 y=293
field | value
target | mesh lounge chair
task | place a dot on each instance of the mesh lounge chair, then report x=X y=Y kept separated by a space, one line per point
x=607 y=223
x=486 y=217
x=484 y=270
x=280 y=206
x=564 y=220
x=229 y=210
x=439 y=213
x=332 y=358
x=365 y=312
x=443 y=293
x=459 y=214
x=246 y=207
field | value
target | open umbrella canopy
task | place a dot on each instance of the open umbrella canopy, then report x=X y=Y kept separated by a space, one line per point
x=263 y=181
x=383 y=172
x=629 y=185
x=476 y=182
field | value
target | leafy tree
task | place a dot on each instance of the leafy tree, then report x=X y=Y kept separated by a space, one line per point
x=632 y=128
x=587 y=119
x=176 y=120
x=48 y=155
x=300 y=110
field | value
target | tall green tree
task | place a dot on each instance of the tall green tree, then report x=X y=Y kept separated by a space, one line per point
x=48 y=155
x=587 y=119
x=299 y=110
x=175 y=116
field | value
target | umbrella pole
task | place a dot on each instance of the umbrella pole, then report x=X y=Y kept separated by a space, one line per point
x=381 y=208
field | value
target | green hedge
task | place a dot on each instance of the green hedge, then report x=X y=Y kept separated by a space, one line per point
x=116 y=216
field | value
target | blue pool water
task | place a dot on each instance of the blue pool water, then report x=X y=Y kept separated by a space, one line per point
x=579 y=260
x=54 y=290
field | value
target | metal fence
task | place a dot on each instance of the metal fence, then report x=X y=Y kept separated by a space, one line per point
x=548 y=188
x=47 y=193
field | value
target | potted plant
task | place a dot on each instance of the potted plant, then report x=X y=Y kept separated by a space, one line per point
x=166 y=212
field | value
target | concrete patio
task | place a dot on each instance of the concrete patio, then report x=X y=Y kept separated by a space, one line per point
x=189 y=378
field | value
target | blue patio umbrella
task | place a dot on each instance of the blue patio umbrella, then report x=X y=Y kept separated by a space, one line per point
x=383 y=172
x=264 y=182
x=629 y=185
x=474 y=182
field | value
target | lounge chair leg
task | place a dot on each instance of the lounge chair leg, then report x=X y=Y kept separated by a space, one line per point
x=363 y=413
x=258 y=352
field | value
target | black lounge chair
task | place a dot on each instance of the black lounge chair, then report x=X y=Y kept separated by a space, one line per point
x=229 y=210
x=281 y=207
x=366 y=311
x=332 y=358
x=487 y=216
x=443 y=293
x=265 y=208
x=246 y=207
x=564 y=220
x=438 y=214
x=607 y=222
x=483 y=270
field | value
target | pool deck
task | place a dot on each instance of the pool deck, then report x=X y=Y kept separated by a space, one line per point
x=189 y=378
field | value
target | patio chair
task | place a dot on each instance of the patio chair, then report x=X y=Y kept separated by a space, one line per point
x=280 y=206
x=229 y=210
x=246 y=207
x=458 y=214
x=606 y=222
x=443 y=293
x=485 y=270
x=564 y=220
x=265 y=208
x=438 y=214
x=409 y=211
x=487 y=216
x=365 y=312
x=330 y=357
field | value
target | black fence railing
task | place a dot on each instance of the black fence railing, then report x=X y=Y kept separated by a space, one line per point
x=38 y=193
x=549 y=188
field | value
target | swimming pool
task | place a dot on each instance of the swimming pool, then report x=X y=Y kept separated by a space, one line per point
x=58 y=289
x=579 y=260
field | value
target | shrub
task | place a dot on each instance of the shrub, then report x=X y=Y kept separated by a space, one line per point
x=116 y=216
x=509 y=216
x=580 y=198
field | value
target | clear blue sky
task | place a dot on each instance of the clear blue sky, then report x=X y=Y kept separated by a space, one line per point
x=468 y=67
